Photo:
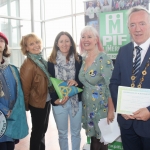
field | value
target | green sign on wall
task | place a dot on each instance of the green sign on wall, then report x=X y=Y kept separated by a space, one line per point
x=114 y=31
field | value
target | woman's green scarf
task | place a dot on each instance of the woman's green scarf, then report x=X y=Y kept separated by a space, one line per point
x=41 y=63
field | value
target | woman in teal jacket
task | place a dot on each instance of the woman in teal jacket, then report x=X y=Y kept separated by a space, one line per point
x=11 y=99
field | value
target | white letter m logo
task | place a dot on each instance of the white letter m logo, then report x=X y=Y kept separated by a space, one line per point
x=114 y=23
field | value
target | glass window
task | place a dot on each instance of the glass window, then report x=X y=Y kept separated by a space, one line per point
x=79 y=26
x=37 y=10
x=25 y=27
x=3 y=8
x=47 y=53
x=25 y=9
x=3 y=24
x=15 y=40
x=78 y=6
x=5 y=27
x=60 y=18
x=11 y=28
x=15 y=58
x=57 y=8
x=15 y=30
x=52 y=28
x=37 y=28
x=13 y=9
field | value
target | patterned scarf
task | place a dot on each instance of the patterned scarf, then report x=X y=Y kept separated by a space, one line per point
x=5 y=64
x=42 y=64
x=66 y=71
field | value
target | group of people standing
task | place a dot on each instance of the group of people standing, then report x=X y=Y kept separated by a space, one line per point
x=92 y=70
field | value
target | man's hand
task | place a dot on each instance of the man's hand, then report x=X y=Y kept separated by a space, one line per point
x=142 y=114
x=127 y=117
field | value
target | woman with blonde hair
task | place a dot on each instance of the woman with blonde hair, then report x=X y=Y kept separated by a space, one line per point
x=95 y=73
x=36 y=87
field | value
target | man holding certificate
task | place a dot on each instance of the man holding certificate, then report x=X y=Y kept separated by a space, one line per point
x=132 y=69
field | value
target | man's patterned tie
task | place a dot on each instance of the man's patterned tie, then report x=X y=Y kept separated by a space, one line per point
x=137 y=61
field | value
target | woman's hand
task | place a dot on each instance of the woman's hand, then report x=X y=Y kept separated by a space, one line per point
x=72 y=82
x=62 y=101
x=110 y=116
x=8 y=114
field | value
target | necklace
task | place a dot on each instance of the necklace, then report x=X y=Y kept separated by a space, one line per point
x=144 y=73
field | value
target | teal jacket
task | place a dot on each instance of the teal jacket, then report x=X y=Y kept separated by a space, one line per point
x=17 y=127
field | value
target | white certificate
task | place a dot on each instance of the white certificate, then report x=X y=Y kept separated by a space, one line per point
x=131 y=99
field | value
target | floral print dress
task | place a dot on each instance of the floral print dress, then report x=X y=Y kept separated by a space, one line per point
x=95 y=93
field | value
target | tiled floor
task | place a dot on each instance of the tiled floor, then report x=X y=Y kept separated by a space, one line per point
x=51 y=136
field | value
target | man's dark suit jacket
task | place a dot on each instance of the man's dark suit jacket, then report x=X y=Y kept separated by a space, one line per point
x=122 y=77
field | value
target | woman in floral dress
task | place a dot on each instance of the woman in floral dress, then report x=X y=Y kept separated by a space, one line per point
x=95 y=74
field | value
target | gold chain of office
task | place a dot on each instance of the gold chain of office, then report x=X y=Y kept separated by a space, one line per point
x=144 y=72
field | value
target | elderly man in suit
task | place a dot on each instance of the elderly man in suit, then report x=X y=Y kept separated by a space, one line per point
x=132 y=69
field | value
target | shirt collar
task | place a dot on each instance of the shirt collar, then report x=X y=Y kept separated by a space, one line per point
x=145 y=45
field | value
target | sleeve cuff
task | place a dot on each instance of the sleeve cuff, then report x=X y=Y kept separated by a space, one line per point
x=148 y=108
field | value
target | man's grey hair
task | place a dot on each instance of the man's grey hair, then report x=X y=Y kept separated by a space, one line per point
x=136 y=9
